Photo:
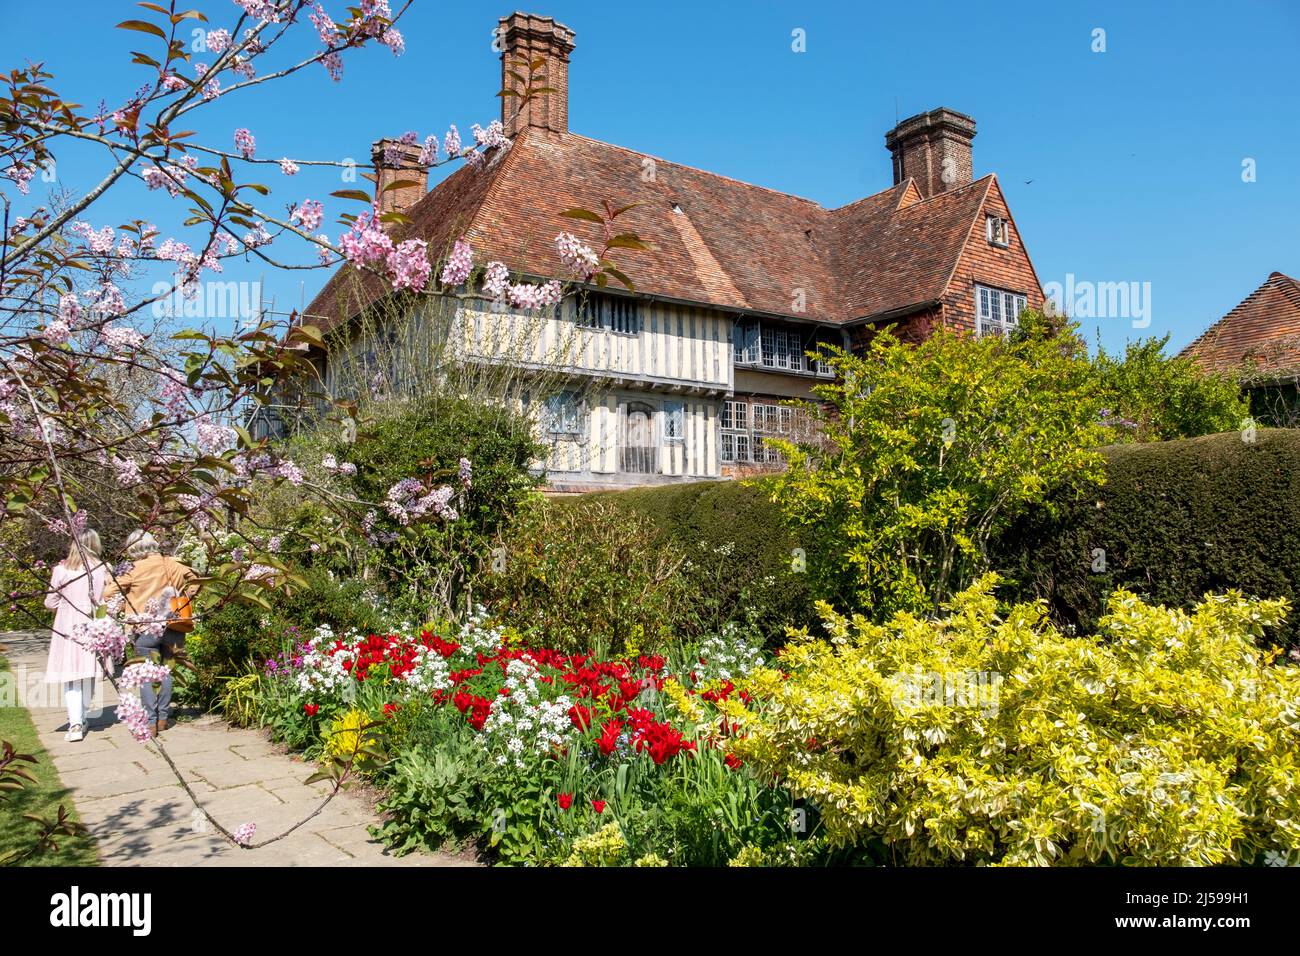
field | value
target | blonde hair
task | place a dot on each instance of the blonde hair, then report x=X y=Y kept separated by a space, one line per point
x=88 y=542
x=140 y=543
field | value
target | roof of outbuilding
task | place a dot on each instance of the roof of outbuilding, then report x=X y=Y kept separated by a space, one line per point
x=1260 y=337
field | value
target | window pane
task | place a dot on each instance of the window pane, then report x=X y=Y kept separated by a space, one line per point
x=674 y=413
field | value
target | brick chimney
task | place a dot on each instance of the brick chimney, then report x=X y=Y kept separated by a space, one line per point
x=933 y=148
x=523 y=36
x=403 y=165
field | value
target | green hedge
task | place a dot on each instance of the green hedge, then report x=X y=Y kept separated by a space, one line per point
x=1175 y=520
x=741 y=558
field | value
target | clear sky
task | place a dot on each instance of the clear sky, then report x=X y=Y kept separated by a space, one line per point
x=1120 y=166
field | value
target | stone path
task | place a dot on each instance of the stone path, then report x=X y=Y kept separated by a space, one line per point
x=130 y=799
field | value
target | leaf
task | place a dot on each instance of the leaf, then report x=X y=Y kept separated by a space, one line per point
x=626 y=240
x=578 y=213
x=357 y=194
x=621 y=278
x=143 y=26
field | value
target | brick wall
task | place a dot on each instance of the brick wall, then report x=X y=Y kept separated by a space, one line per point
x=986 y=264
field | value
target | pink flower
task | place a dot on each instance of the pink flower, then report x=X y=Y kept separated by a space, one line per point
x=366 y=243
x=459 y=263
x=245 y=143
x=56 y=332
x=308 y=215
x=244 y=835
x=333 y=64
x=130 y=711
x=392 y=38
x=579 y=259
x=408 y=265
x=429 y=152
x=288 y=166
x=451 y=143
x=218 y=40
x=496 y=280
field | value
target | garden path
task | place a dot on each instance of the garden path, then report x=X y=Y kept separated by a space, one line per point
x=130 y=800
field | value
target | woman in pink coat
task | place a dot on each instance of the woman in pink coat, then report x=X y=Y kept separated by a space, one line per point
x=75 y=590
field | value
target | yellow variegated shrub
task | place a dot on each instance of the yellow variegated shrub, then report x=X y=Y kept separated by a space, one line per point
x=1166 y=738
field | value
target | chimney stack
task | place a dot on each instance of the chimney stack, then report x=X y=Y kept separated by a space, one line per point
x=523 y=36
x=395 y=161
x=933 y=148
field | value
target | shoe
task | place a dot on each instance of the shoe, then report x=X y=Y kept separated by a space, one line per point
x=75 y=733
x=160 y=726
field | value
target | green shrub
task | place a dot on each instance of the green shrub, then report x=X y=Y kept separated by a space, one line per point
x=431 y=565
x=1174 y=521
x=1167 y=738
x=587 y=577
x=1148 y=396
x=742 y=564
x=926 y=452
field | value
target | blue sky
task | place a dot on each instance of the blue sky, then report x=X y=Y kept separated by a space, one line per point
x=1120 y=166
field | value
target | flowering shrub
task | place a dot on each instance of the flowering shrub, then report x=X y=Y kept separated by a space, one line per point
x=532 y=750
x=1166 y=738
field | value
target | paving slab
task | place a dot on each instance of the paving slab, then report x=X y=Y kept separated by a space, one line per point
x=130 y=800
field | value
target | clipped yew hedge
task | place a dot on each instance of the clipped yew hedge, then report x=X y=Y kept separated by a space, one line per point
x=1174 y=521
x=741 y=557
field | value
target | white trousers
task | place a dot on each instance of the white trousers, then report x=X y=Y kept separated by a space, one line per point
x=77 y=694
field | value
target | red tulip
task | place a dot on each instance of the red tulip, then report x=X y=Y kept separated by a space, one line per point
x=565 y=800
x=598 y=806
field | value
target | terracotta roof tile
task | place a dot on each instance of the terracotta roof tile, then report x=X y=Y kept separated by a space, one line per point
x=732 y=244
x=1260 y=337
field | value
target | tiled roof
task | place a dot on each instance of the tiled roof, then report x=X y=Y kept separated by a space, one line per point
x=713 y=240
x=1260 y=337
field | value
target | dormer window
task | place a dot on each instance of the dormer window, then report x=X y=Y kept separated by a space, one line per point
x=998 y=231
x=616 y=313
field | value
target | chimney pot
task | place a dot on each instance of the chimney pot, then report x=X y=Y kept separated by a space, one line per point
x=524 y=38
x=934 y=149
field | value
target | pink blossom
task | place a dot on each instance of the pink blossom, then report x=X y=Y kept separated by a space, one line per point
x=429 y=152
x=288 y=166
x=392 y=38
x=366 y=243
x=324 y=24
x=308 y=215
x=496 y=280
x=580 y=259
x=451 y=143
x=323 y=252
x=409 y=266
x=459 y=264
x=493 y=136
x=218 y=40
x=21 y=175
x=69 y=308
x=245 y=143
x=131 y=712
x=137 y=675
x=126 y=471
x=172 y=82
x=333 y=64
x=56 y=332
x=244 y=835
x=212 y=437
x=107 y=300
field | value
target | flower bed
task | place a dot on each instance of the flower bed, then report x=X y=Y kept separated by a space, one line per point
x=534 y=753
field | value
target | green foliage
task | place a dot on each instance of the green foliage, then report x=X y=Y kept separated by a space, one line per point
x=742 y=564
x=928 y=451
x=22 y=582
x=1174 y=521
x=1167 y=738
x=434 y=563
x=585 y=577
x=1148 y=396
x=233 y=637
